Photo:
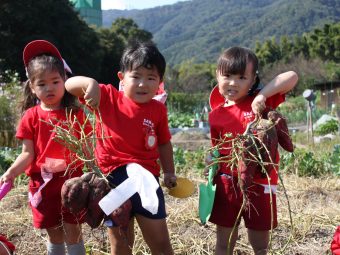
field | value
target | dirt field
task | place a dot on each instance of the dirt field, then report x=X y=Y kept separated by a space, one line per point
x=315 y=206
x=315 y=212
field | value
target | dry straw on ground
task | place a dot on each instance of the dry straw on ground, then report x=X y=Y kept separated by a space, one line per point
x=315 y=211
x=315 y=205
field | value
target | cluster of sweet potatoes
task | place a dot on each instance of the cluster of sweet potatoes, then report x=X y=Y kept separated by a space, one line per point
x=260 y=146
x=81 y=196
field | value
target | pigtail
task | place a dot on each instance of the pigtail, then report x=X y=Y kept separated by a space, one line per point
x=29 y=99
x=255 y=86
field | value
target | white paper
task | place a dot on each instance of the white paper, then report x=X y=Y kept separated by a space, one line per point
x=140 y=180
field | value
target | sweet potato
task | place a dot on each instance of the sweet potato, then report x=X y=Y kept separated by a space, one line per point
x=267 y=135
x=99 y=189
x=258 y=153
x=83 y=193
x=121 y=216
x=283 y=136
x=247 y=164
x=74 y=194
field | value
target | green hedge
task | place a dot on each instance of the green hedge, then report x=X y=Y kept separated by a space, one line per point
x=187 y=103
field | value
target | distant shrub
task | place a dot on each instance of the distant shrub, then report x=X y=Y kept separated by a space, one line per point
x=329 y=127
x=307 y=163
x=187 y=103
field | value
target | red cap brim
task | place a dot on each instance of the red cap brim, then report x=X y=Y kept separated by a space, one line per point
x=39 y=47
x=215 y=99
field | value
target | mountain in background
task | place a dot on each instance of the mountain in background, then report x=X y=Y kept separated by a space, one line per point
x=201 y=29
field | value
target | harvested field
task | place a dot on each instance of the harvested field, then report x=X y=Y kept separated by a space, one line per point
x=315 y=211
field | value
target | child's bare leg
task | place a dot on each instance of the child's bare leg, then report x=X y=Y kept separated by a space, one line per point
x=73 y=234
x=259 y=240
x=74 y=240
x=222 y=240
x=56 y=235
x=55 y=244
x=121 y=241
x=156 y=235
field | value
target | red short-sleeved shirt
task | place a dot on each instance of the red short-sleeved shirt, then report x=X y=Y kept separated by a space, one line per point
x=125 y=126
x=33 y=127
x=233 y=120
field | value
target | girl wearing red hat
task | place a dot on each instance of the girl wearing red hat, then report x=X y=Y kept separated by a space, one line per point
x=48 y=163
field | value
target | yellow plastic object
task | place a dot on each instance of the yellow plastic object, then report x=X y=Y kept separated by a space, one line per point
x=184 y=188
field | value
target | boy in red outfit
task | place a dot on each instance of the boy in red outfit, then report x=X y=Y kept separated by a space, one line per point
x=133 y=128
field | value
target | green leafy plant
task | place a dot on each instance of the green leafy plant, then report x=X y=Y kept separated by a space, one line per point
x=186 y=160
x=329 y=127
x=308 y=163
x=180 y=120
x=7 y=157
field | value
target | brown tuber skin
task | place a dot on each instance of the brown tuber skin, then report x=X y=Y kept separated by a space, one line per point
x=247 y=164
x=99 y=189
x=82 y=195
x=262 y=148
x=74 y=194
x=267 y=134
x=283 y=136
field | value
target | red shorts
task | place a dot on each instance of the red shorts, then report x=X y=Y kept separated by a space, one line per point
x=49 y=212
x=228 y=202
x=8 y=244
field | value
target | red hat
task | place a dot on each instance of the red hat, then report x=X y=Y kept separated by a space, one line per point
x=38 y=47
x=215 y=99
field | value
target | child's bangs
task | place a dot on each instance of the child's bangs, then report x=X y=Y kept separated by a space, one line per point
x=231 y=65
x=42 y=64
x=141 y=63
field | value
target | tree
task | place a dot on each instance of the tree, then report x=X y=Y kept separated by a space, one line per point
x=22 y=21
x=324 y=43
x=268 y=52
x=128 y=30
x=113 y=47
x=195 y=77
x=113 y=41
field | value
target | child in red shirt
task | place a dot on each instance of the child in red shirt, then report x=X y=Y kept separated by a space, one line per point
x=133 y=128
x=44 y=160
x=234 y=102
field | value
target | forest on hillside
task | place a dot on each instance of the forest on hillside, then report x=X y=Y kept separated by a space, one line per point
x=200 y=29
x=96 y=52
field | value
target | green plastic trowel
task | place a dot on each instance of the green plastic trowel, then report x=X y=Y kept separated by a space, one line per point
x=207 y=191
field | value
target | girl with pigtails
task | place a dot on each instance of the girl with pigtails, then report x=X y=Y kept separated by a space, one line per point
x=48 y=164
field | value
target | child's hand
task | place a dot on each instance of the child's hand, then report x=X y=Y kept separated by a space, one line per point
x=170 y=180
x=7 y=177
x=258 y=104
x=92 y=94
x=209 y=162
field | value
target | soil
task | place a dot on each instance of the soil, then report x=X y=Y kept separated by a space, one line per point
x=191 y=140
x=314 y=212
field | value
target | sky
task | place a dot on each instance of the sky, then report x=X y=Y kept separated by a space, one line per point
x=134 y=4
